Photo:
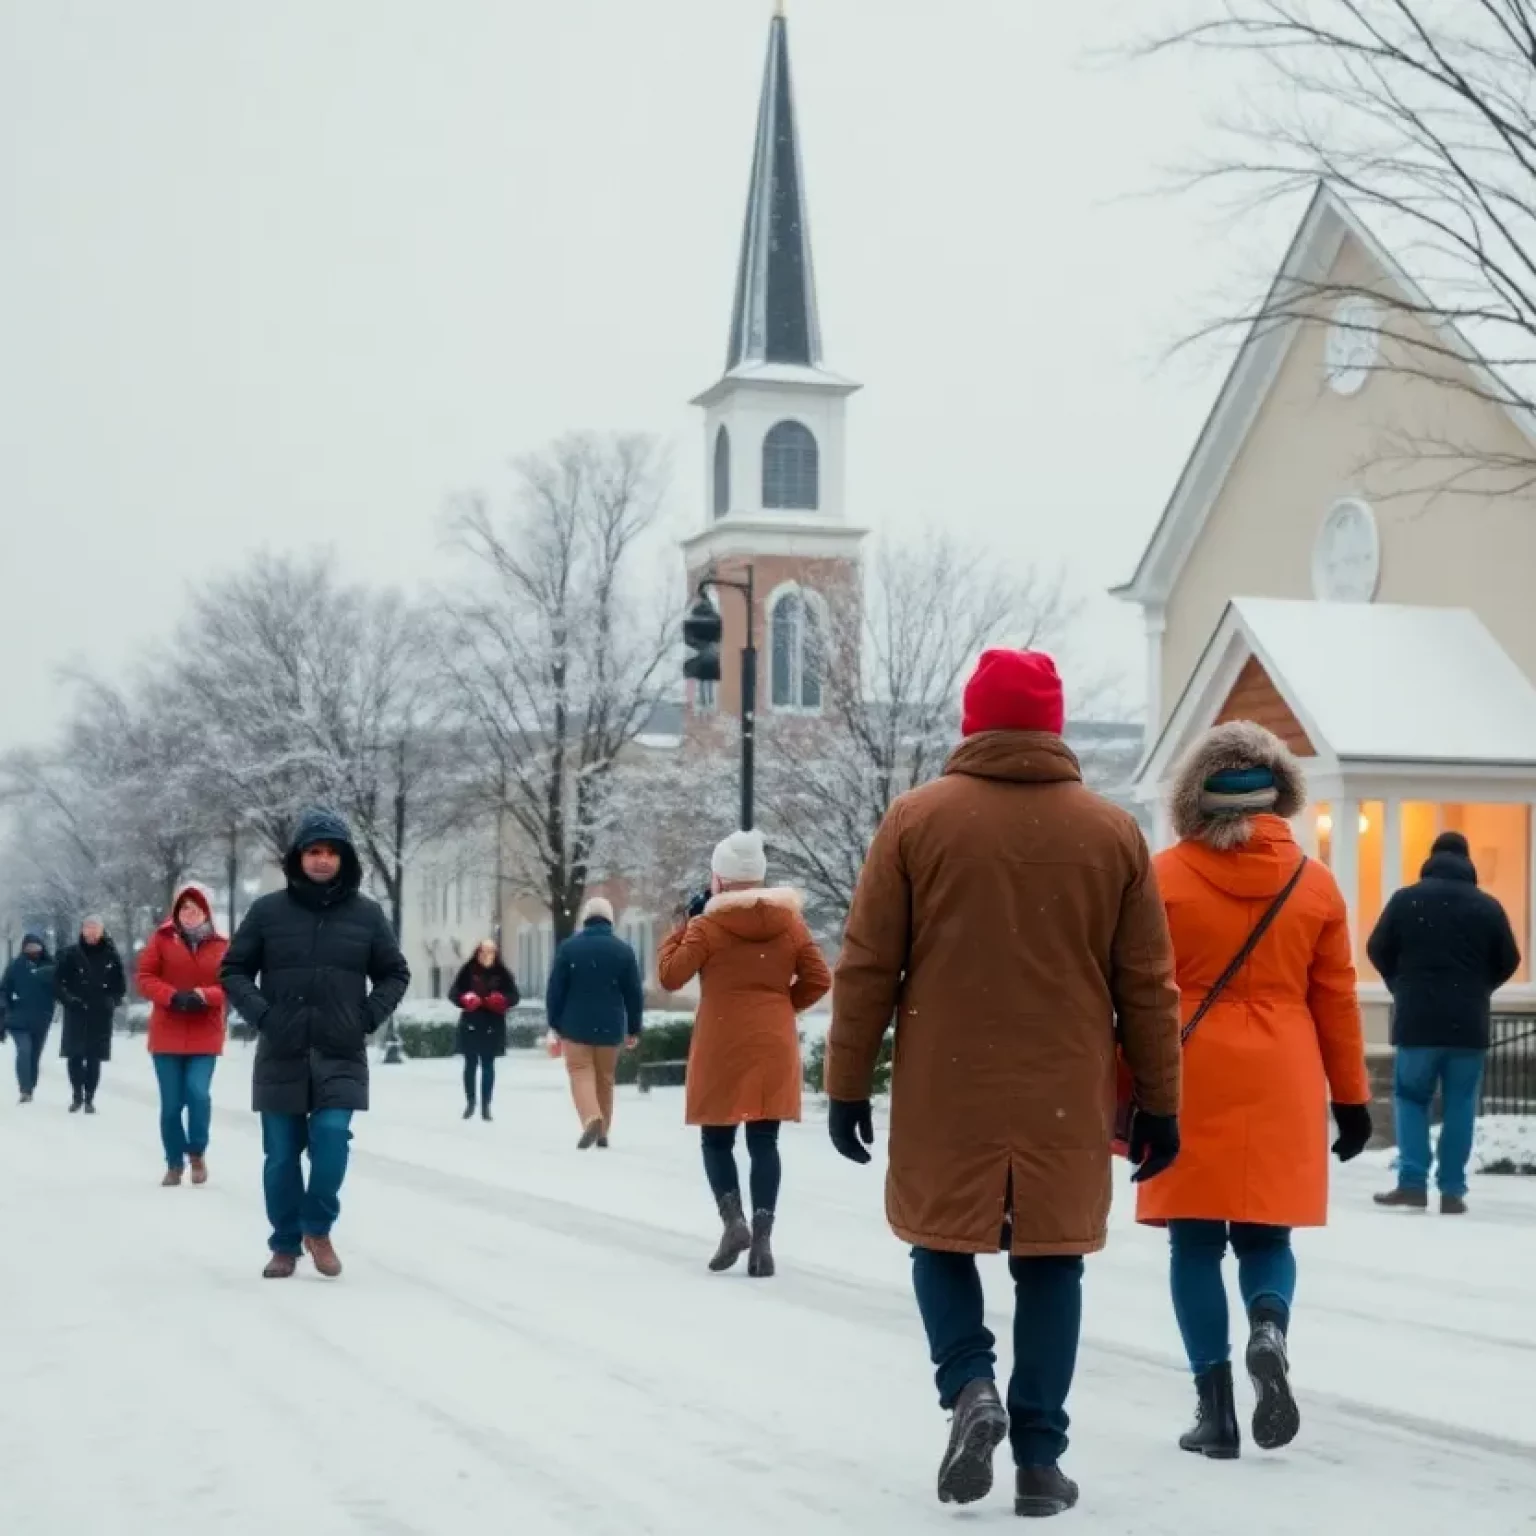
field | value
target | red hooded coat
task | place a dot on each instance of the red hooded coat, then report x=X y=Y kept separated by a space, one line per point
x=168 y=965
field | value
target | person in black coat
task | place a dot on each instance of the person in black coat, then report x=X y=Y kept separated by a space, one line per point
x=90 y=984
x=1443 y=948
x=483 y=991
x=26 y=1009
x=316 y=947
x=595 y=1003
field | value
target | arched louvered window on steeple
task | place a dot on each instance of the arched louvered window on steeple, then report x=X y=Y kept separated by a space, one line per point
x=722 y=498
x=791 y=468
x=797 y=637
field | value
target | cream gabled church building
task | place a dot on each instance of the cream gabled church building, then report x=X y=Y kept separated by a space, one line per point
x=1307 y=573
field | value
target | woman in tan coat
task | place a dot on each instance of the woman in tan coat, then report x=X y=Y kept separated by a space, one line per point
x=758 y=967
x=1263 y=1057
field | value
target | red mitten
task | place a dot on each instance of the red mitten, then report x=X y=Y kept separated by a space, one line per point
x=496 y=1003
x=469 y=1001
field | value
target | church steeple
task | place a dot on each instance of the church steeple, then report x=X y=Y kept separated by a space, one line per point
x=774 y=319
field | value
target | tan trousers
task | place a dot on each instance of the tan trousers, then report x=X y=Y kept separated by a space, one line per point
x=591 y=1069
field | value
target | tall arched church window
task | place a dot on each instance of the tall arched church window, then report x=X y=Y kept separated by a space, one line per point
x=798 y=643
x=791 y=468
x=722 y=472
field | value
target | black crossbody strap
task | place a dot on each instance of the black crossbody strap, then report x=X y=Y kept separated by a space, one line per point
x=1241 y=957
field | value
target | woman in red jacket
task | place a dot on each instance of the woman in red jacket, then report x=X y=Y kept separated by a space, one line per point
x=179 y=974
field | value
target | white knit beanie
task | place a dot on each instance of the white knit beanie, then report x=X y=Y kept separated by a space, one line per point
x=741 y=859
x=598 y=910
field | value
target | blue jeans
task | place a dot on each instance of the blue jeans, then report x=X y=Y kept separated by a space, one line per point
x=29 y=1056
x=1266 y=1277
x=1459 y=1073
x=1047 y=1321
x=297 y=1212
x=186 y=1089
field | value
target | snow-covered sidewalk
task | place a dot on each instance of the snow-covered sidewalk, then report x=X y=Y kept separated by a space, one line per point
x=526 y=1341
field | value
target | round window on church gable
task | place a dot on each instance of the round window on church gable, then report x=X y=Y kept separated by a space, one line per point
x=791 y=468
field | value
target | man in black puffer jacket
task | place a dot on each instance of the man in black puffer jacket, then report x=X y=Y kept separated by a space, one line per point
x=316 y=947
x=1443 y=947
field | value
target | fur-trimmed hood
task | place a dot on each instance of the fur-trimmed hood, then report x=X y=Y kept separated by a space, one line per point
x=757 y=914
x=1238 y=744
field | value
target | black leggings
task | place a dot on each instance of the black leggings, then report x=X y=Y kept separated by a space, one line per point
x=763 y=1151
x=487 y=1065
x=85 y=1075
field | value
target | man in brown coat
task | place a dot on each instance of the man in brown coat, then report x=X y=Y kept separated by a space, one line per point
x=1008 y=923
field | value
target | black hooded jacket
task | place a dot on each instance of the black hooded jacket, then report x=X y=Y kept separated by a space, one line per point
x=315 y=949
x=90 y=984
x=1443 y=947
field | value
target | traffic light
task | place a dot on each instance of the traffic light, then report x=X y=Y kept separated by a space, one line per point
x=701 y=633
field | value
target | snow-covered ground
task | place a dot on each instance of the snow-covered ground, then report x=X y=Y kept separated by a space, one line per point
x=526 y=1341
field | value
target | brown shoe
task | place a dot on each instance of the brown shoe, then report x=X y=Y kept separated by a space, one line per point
x=199 y=1170
x=280 y=1266
x=172 y=1178
x=322 y=1251
x=1404 y=1199
x=1453 y=1205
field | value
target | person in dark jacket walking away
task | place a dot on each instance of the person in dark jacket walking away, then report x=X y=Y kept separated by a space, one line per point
x=26 y=1009
x=316 y=947
x=595 y=1004
x=90 y=985
x=1443 y=947
x=178 y=973
x=483 y=991
x=1005 y=919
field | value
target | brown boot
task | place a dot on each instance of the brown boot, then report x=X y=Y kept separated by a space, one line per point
x=1453 y=1205
x=1404 y=1199
x=321 y=1250
x=199 y=1170
x=172 y=1178
x=280 y=1266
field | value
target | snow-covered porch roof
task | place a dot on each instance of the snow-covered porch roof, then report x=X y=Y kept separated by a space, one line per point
x=1378 y=692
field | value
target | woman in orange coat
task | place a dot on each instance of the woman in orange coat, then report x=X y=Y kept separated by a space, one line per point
x=758 y=967
x=1280 y=1041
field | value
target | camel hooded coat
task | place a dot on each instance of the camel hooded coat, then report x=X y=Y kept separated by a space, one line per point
x=1006 y=915
x=758 y=967
x=1285 y=1035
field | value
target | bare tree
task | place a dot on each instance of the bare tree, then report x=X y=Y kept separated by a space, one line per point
x=897 y=657
x=553 y=662
x=1421 y=116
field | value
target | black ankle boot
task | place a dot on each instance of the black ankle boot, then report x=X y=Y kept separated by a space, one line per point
x=1276 y=1418
x=736 y=1236
x=1040 y=1492
x=979 y=1425
x=1215 y=1432
x=760 y=1257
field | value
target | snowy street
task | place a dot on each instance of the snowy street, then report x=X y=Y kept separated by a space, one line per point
x=526 y=1340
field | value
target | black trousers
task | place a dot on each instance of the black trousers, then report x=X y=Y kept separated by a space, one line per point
x=763 y=1152
x=486 y=1062
x=85 y=1075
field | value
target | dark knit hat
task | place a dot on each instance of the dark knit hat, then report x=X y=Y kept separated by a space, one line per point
x=1014 y=691
x=1451 y=842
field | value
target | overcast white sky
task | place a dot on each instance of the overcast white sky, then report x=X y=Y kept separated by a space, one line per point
x=290 y=273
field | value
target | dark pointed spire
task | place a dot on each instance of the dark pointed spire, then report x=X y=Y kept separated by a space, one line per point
x=774 y=320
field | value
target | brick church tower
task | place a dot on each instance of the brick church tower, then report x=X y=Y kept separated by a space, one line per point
x=774 y=444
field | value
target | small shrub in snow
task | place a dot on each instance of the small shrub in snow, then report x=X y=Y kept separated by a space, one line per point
x=1505 y=1144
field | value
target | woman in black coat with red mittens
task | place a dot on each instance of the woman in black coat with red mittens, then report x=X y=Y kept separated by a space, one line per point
x=483 y=991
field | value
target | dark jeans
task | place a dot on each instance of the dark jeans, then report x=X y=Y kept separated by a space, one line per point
x=762 y=1151
x=297 y=1212
x=85 y=1076
x=1047 y=1321
x=186 y=1088
x=1459 y=1074
x=487 y=1065
x=1266 y=1277
x=29 y=1056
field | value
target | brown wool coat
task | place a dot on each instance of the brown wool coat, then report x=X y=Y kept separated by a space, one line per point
x=1006 y=915
x=758 y=967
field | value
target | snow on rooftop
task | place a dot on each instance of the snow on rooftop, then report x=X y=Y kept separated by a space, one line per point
x=1379 y=680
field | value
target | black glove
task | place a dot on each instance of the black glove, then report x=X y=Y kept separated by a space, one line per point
x=1154 y=1144
x=187 y=1002
x=697 y=902
x=1354 y=1123
x=850 y=1122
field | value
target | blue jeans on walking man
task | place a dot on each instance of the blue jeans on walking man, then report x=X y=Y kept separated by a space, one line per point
x=297 y=1211
x=186 y=1105
x=1266 y=1278
x=1047 y=1322
x=1459 y=1075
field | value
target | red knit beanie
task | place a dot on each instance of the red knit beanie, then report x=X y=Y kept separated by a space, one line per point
x=1014 y=691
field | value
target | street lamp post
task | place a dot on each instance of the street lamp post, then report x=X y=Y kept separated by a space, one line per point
x=702 y=630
